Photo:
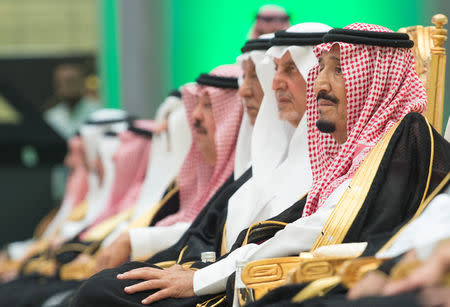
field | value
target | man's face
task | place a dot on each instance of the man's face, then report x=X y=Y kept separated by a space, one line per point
x=205 y=128
x=250 y=90
x=68 y=83
x=329 y=88
x=290 y=90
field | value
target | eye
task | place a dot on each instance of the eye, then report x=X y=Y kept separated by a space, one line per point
x=338 y=70
x=208 y=105
x=321 y=67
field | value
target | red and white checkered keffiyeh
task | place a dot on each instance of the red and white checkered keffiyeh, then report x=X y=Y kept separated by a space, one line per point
x=77 y=182
x=130 y=163
x=382 y=87
x=197 y=180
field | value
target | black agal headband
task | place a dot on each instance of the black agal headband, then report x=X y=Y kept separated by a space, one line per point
x=257 y=44
x=216 y=81
x=175 y=93
x=139 y=131
x=383 y=39
x=284 y=38
x=126 y=118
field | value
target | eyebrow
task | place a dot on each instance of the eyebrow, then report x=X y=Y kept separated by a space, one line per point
x=335 y=58
x=332 y=57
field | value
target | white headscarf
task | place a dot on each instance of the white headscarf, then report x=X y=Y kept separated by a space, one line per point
x=243 y=147
x=280 y=157
x=167 y=154
x=92 y=135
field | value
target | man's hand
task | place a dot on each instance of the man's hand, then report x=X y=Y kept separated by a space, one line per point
x=427 y=275
x=175 y=281
x=435 y=296
x=371 y=285
x=114 y=254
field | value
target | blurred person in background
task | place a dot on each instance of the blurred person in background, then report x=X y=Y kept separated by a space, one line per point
x=74 y=100
x=270 y=18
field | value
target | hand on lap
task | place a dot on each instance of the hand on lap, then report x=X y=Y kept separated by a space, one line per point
x=175 y=281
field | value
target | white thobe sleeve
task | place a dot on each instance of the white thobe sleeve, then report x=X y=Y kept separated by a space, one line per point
x=294 y=238
x=147 y=241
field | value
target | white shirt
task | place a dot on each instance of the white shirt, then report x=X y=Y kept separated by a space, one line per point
x=296 y=237
x=147 y=241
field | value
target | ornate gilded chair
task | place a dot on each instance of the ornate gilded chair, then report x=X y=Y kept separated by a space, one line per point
x=267 y=274
x=429 y=53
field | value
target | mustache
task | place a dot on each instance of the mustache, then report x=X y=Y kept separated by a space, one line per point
x=282 y=94
x=324 y=95
x=199 y=127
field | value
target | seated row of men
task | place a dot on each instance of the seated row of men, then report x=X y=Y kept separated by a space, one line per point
x=331 y=149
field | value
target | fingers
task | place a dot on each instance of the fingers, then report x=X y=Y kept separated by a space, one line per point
x=146 y=285
x=160 y=295
x=372 y=284
x=426 y=275
x=141 y=273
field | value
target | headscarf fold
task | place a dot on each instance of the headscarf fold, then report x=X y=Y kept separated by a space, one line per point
x=382 y=86
x=130 y=163
x=76 y=185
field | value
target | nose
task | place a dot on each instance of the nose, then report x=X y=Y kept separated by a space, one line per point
x=279 y=83
x=245 y=90
x=197 y=113
x=322 y=82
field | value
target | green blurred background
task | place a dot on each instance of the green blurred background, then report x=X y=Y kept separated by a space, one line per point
x=145 y=48
x=140 y=50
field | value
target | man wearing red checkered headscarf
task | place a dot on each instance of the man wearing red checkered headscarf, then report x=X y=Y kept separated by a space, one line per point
x=363 y=93
x=214 y=114
x=200 y=175
x=381 y=87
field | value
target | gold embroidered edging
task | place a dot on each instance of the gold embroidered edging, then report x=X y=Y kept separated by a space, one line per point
x=180 y=256
x=340 y=219
x=317 y=288
x=258 y=223
x=223 y=246
x=145 y=219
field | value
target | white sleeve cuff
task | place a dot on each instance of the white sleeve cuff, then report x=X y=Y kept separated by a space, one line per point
x=147 y=241
x=213 y=278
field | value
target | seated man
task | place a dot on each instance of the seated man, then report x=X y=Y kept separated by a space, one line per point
x=362 y=131
x=414 y=159
x=287 y=84
x=414 y=271
x=214 y=121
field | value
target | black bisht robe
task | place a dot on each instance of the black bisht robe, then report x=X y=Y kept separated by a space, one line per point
x=201 y=236
x=393 y=199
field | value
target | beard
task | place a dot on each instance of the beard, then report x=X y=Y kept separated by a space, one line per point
x=288 y=116
x=325 y=126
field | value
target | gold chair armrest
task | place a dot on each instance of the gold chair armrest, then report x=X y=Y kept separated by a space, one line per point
x=267 y=274
x=312 y=269
x=78 y=270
